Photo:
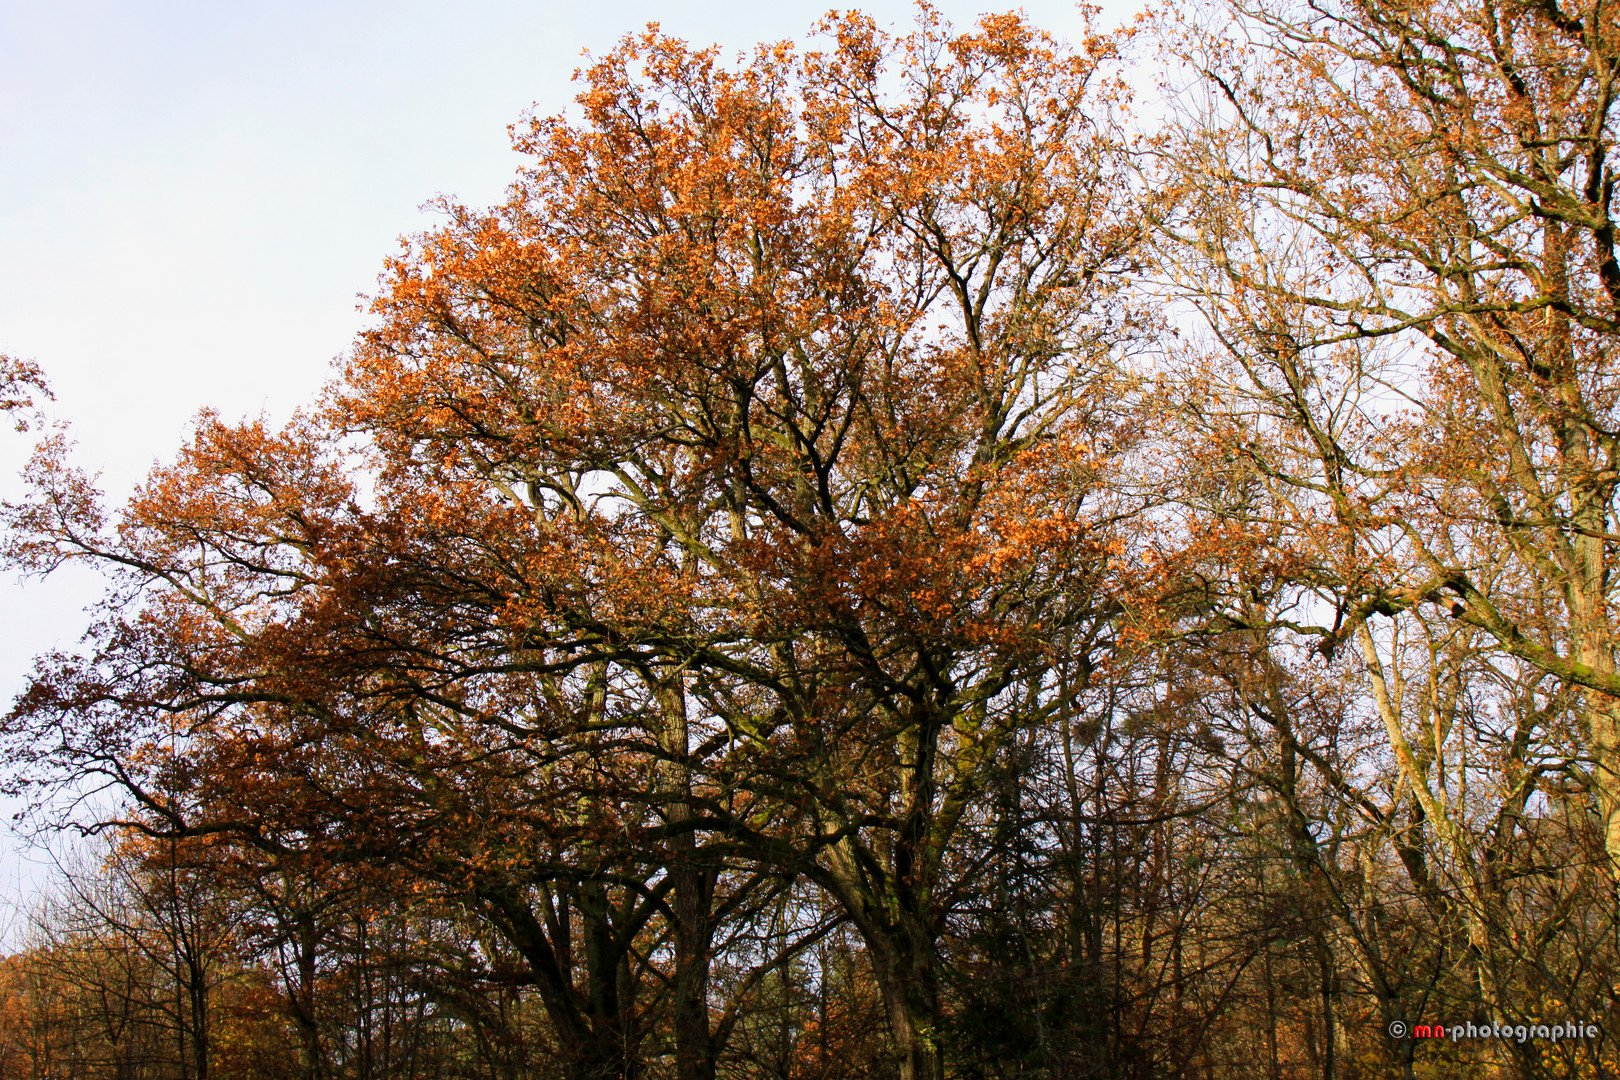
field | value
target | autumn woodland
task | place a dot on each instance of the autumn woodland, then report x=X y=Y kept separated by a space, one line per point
x=920 y=552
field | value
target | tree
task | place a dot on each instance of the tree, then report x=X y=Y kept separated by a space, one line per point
x=1404 y=236
x=705 y=513
x=1398 y=231
x=747 y=582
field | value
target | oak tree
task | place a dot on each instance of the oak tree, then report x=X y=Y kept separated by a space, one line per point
x=703 y=516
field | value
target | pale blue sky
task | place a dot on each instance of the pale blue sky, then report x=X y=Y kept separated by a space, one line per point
x=193 y=194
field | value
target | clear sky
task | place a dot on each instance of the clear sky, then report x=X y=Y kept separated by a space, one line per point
x=194 y=194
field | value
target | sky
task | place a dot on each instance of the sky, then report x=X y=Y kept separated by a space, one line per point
x=194 y=196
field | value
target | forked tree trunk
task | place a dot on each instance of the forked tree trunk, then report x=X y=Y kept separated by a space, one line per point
x=591 y=1029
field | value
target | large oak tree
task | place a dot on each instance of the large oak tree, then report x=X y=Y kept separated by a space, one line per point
x=710 y=513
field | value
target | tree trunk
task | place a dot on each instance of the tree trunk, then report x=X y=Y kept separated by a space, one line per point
x=304 y=998
x=902 y=961
x=693 y=931
x=590 y=1028
x=694 y=1051
x=197 y=993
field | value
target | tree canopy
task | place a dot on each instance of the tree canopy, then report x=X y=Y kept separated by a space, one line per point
x=875 y=527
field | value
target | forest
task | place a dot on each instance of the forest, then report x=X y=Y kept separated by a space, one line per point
x=920 y=553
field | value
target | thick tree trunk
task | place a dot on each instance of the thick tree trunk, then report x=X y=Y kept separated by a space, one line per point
x=694 y=1049
x=911 y=999
x=693 y=884
x=1603 y=729
x=902 y=958
x=590 y=1028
